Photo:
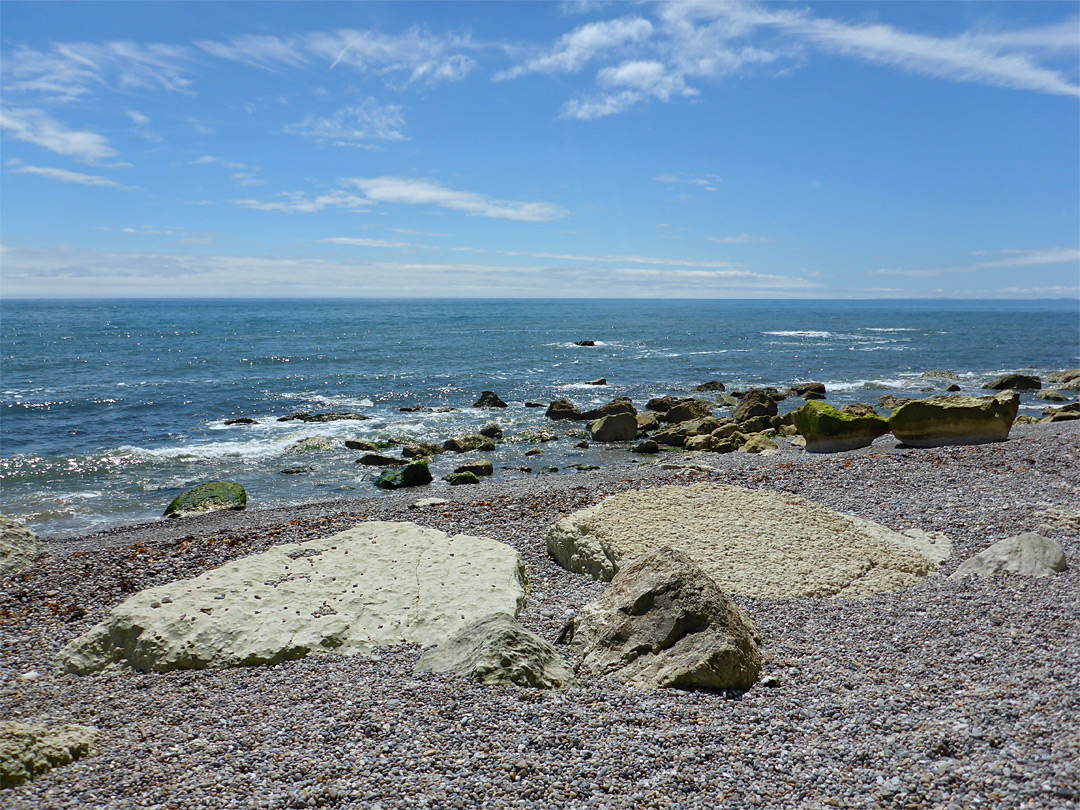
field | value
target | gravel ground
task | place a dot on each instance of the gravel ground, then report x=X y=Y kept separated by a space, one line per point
x=949 y=694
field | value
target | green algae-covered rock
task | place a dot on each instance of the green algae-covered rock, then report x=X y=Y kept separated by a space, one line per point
x=951 y=420
x=828 y=430
x=414 y=474
x=27 y=751
x=463 y=444
x=210 y=497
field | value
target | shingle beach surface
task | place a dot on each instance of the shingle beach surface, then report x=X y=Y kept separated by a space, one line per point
x=950 y=693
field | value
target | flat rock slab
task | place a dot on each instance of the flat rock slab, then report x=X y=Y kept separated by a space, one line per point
x=752 y=542
x=376 y=585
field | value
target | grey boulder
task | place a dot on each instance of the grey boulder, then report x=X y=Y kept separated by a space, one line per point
x=1027 y=555
x=662 y=623
x=497 y=650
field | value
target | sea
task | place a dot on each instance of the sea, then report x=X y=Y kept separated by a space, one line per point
x=111 y=408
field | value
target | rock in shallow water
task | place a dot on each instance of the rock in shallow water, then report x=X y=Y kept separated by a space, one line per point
x=498 y=650
x=376 y=585
x=753 y=542
x=209 y=497
x=662 y=622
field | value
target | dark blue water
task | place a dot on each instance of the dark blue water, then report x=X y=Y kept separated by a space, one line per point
x=109 y=408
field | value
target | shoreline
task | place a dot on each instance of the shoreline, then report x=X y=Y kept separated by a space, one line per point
x=960 y=691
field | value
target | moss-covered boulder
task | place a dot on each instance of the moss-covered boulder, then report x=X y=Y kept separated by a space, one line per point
x=414 y=474
x=463 y=444
x=949 y=420
x=828 y=430
x=479 y=467
x=209 y=497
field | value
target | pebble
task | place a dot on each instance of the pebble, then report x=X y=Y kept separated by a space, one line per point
x=948 y=694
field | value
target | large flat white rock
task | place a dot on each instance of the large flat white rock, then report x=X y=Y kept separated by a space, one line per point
x=376 y=585
x=753 y=542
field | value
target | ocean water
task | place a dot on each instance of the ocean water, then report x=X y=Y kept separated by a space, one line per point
x=109 y=409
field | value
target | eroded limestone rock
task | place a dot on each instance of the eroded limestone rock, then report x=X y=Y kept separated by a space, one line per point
x=27 y=751
x=1026 y=555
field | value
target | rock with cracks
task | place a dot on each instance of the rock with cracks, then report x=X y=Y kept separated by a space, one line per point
x=497 y=650
x=27 y=751
x=1026 y=555
x=752 y=542
x=664 y=623
x=376 y=585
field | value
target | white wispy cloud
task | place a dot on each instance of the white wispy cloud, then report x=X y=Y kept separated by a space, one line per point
x=353 y=241
x=39 y=128
x=573 y=50
x=138 y=118
x=408 y=191
x=299 y=202
x=1012 y=260
x=354 y=125
x=75 y=272
x=65 y=176
x=248 y=179
x=708 y=182
x=630 y=259
x=67 y=71
x=210 y=160
x=417 y=55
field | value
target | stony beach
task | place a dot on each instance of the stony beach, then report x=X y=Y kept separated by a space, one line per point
x=951 y=693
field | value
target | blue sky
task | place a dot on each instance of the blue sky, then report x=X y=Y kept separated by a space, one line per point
x=686 y=150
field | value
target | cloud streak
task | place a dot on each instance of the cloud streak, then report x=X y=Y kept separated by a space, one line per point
x=65 y=176
x=40 y=129
x=354 y=125
x=407 y=191
x=1012 y=260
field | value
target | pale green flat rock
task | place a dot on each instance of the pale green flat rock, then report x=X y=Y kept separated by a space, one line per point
x=376 y=585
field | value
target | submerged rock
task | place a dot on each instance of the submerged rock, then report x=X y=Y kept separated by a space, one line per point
x=376 y=585
x=28 y=751
x=376 y=460
x=828 y=430
x=584 y=342
x=496 y=650
x=338 y=416
x=492 y=431
x=421 y=450
x=949 y=420
x=210 y=497
x=242 y=420
x=1026 y=555
x=664 y=623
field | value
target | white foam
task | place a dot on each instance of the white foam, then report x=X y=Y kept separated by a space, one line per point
x=809 y=333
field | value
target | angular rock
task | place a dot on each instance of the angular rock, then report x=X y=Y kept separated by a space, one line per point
x=1015 y=382
x=476 y=468
x=376 y=460
x=753 y=542
x=617 y=405
x=620 y=427
x=673 y=436
x=953 y=388
x=423 y=503
x=755 y=402
x=648 y=421
x=489 y=399
x=376 y=585
x=757 y=424
x=465 y=444
x=726 y=401
x=492 y=431
x=496 y=650
x=209 y=497
x=18 y=546
x=688 y=409
x=413 y=474
x=421 y=450
x=361 y=444
x=458 y=478
x=1026 y=555
x=598 y=381
x=27 y=751
x=950 y=420
x=828 y=430
x=663 y=623
x=701 y=442
x=1068 y=380
x=662 y=404
x=647 y=447
x=297 y=470
x=1065 y=413
x=584 y=342
x=563 y=409
x=711 y=385
x=759 y=444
